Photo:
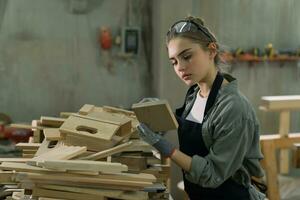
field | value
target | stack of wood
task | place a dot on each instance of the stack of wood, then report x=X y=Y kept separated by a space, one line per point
x=92 y=154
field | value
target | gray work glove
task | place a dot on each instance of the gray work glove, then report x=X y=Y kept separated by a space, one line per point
x=156 y=140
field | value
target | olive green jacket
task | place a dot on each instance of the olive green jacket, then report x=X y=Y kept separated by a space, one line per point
x=231 y=134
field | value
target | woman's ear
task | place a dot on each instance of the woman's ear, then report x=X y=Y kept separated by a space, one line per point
x=212 y=47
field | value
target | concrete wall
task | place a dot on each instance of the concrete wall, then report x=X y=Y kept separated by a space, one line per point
x=50 y=59
x=236 y=23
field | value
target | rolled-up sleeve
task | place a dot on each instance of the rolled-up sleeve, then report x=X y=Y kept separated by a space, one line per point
x=232 y=138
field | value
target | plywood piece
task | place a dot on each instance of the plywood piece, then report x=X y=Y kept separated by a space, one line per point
x=66 y=114
x=119 y=194
x=22 y=145
x=26 y=126
x=84 y=165
x=86 y=109
x=91 y=143
x=17 y=160
x=60 y=153
x=119 y=111
x=89 y=127
x=134 y=163
x=48 y=146
x=52 y=134
x=6 y=177
x=52 y=121
x=88 y=180
x=108 y=152
x=290 y=102
x=157 y=115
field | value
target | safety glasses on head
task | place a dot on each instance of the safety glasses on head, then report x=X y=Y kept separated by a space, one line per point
x=184 y=26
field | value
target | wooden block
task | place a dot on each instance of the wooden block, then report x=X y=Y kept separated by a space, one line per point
x=86 y=109
x=52 y=121
x=108 y=152
x=157 y=115
x=24 y=155
x=6 y=177
x=84 y=165
x=52 y=134
x=60 y=153
x=290 y=102
x=296 y=155
x=89 y=127
x=134 y=163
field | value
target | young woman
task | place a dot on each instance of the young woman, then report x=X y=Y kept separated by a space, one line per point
x=218 y=130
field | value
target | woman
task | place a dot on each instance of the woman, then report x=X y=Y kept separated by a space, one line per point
x=218 y=129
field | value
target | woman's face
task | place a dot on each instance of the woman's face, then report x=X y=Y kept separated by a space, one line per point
x=191 y=63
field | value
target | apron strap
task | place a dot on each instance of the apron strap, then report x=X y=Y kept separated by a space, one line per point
x=214 y=92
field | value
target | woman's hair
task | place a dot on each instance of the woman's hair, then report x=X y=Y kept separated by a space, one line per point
x=203 y=36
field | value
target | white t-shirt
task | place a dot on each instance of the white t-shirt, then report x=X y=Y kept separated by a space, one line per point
x=197 y=112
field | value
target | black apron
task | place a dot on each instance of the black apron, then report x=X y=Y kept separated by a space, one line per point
x=191 y=143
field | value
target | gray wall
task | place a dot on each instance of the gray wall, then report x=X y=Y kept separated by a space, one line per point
x=50 y=59
x=236 y=23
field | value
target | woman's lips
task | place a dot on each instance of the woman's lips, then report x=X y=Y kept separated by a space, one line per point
x=186 y=76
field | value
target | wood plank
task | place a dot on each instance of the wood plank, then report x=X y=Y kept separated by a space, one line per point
x=91 y=143
x=284 y=128
x=289 y=102
x=66 y=114
x=26 y=126
x=88 y=180
x=52 y=121
x=119 y=194
x=281 y=143
x=18 y=160
x=52 y=134
x=108 y=152
x=270 y=165
x=84 y=165
x=39 y=192
x=60 y=153
x=6 y=177
x=22 y=145
x=157 y=115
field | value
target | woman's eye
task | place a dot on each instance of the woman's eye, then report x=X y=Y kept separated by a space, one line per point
x=187 y=57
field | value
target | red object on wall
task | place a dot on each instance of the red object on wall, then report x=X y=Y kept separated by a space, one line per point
x=105 y=38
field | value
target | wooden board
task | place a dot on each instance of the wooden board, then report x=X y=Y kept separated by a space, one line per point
x=290 y=102
x=89 y=127
x=84 y=165
x=6 y=177
x=39 y=192
x=119 y=194
x=18 y=160
x=108 y=152
x=52 y=134
x=52 y=121
x=22 y=145
x=157 y=115
x=91 y=143
x=60 y=153
x=134 y=163
x=98 y=113
x=47 y=146
x=88 y=180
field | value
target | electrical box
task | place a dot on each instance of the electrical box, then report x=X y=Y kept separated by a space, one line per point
x=131 y=37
